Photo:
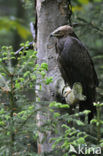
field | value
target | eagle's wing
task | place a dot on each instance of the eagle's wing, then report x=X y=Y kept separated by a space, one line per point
x=76 y=64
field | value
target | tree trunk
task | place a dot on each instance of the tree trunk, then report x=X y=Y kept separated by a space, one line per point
x=50 y=15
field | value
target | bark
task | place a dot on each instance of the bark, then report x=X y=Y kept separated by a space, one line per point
x=50 y=15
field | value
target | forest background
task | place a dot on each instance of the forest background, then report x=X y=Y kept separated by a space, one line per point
x=15 y=19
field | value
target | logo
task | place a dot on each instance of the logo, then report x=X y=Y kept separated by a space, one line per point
x=72 y=149
x=84 y=149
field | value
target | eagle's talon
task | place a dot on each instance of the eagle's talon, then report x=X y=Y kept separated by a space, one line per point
x=67 y=93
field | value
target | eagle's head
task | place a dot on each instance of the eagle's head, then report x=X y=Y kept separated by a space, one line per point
x=62 y=31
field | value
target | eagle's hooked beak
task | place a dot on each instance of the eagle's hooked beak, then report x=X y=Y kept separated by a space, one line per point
x=54 y=34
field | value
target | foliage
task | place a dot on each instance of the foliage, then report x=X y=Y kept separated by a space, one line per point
x=11 y=24
x=76 y=133
x=28 y=3
x=18 y=129
x=18 y=108
x=15 y=20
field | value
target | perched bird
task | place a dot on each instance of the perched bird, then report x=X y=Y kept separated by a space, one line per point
x=76 y=65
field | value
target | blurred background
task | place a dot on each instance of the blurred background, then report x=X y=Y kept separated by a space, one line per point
x=16 y=15
x=15 y=18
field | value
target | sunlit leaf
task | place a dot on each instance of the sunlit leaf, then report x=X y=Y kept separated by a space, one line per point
x=8 y=24
x=76 y=8
x=83 y=1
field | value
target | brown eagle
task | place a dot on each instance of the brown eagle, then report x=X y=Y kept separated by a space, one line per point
x=76 y=65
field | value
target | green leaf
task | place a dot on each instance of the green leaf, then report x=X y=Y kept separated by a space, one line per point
x=8 y=133
x=81 y=140
x=48 y=80
x=36 y=67
x=21 y=79
x=56 y=115
x=97 y=123
x=5 y=58
x=93 y=121
x=64 y=106
x=43 y=73
x=26 y=73
x=86 y=112
x=65 y=126
x=54 y=104
x=80 y=123
x=17 y=85
x=5 y=53
x=44 y=66
x=83 y=1
x=2 y=111
x=2 y=123
x=34 y=77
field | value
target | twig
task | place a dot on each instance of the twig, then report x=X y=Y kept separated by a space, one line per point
x=90 y=23
x=26 y=120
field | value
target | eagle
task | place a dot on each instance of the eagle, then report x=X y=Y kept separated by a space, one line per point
x=76 y=65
